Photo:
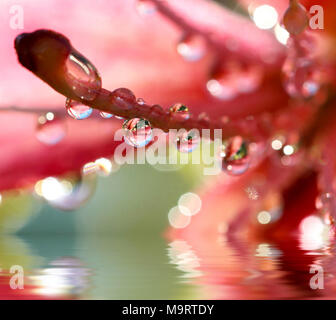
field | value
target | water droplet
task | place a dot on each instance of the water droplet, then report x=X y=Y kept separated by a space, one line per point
x=141 y=101
x=123 y=99
x=106 y=115
x=221 y=89
x=180 y=111
x=232 y=78
x=50 y=129
x=138 y=132
x=80 y=192
x=192 y=47
x=77 y=110
x=187 y=141
x=296 y=18
x=82 y=76
x=235 y=157
x=323 y=201
x=145 y=7
x=301 y=78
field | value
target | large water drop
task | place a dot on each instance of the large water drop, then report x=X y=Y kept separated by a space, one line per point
x=82 y=76
x=138 y=132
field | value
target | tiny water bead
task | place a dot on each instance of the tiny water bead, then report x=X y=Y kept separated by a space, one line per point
x=187 y=141
x=141 y=101
x=296 y=18
x=145 y=7
x=82 y=76
x=234 y=156
x=77 y=110
x=138 y=132
x=50 y=129
x=179 y=110
x=123 y=99
x=191 y=47
x=106 y=115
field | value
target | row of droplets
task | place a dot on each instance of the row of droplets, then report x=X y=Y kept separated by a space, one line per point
x=230 y=78
x=85 y=81
x=302 y=77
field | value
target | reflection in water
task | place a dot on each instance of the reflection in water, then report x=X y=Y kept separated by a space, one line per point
x=64 y=277
x=185 y=259
x=136 y=267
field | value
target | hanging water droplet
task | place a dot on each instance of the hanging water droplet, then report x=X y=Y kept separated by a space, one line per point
x=323 y=201
x=77 y=110
x=82 y=76
x=78 y=193
x=235 y=157
x=50 y=129
x=138 y=132
x=296 y=18
x=145 y=7
x=180 y=111
x=232 y=78
x=106 y=115
x=187 y=141
x=301 y=78
x=191 y=47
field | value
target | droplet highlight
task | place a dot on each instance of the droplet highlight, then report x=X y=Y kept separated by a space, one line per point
x=106 y=115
